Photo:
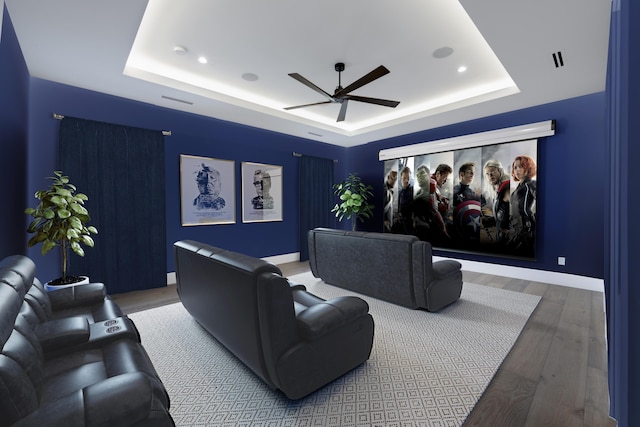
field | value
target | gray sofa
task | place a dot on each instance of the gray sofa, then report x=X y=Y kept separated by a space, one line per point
x=392 y=267
x=70 y=358
x=293 y=340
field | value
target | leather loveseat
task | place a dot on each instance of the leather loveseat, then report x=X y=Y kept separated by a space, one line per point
x=396 y=268
x=70 y=358
x=293 y=340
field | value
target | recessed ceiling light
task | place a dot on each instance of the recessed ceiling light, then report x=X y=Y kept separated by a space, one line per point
x=462 y=69
x=442 y=52
x=250 y=77
x=202 y=60
x=179 y=50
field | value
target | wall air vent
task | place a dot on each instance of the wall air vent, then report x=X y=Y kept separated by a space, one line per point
x=557 y=59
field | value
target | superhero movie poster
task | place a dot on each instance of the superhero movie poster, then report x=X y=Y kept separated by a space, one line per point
x=481 y=200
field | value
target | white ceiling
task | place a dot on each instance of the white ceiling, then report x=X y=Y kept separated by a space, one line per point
x=126 y=48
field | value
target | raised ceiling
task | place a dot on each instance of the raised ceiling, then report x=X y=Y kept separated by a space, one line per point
x=516 y=54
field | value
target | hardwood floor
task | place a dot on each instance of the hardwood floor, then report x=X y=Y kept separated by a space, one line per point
x=555 y=375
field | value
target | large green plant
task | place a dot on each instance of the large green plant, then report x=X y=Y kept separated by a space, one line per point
x=60 y=219
x=354 y=195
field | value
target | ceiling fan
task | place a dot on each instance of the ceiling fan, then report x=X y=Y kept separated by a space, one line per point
x=342 y=95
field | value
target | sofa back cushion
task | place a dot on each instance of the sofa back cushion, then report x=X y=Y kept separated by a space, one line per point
x=374 y=264
x=20 y=361
x=21 y=266
x=38 y=299
x=219 y=289
x=277 y=317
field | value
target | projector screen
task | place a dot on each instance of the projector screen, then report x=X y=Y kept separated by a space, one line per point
x=479 y=200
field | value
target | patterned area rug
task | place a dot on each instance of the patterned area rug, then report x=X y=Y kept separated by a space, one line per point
x=425 y=369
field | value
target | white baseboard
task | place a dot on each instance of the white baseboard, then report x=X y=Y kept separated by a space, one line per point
x=284 y=258
x=551 y=277
x=171 y=278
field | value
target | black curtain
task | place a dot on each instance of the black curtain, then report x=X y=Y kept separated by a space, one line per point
x=315 y=197
x=121 y=170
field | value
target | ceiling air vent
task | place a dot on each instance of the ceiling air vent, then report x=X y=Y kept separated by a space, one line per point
x=557 y=59
x=177 y=100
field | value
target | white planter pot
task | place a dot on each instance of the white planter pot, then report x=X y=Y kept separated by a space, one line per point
x=49 y=287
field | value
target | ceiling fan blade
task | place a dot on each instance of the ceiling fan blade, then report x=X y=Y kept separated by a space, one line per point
x=307 y=105
x=310 y=85
x=368 y=78
x=343 y=111
x=377 y=101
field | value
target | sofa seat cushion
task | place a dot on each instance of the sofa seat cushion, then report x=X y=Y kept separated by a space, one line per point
x=72 y=372
x=123 y=400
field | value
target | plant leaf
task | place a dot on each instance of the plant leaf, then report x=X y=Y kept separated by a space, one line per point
x=47 y=246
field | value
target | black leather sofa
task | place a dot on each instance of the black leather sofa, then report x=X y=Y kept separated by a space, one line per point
x=396 y=268
x=293 y=340
x=70 y=358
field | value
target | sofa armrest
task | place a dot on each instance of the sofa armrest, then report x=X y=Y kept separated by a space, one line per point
x=123 y=400
x=445 y=268
x=322 y=318
x=73 y=296
x=295 y=286
x=55 y=335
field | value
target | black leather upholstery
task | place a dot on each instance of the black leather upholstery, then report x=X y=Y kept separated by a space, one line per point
x=294 y=341
x=392 y=267
x=57 y=369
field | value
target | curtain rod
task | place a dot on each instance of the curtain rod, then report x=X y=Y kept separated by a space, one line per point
x=60 y=117
x=300 y=155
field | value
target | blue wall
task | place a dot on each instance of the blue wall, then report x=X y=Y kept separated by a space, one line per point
x=14 y=80
x=571 y=184
x=623 y=292
x=191 y=134
x=571 y=181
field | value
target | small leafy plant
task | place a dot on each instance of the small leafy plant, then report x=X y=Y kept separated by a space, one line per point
x=60 y=219
x=354 y=195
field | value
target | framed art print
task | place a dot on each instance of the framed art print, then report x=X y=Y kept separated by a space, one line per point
x=261 y=192
x=207 y=191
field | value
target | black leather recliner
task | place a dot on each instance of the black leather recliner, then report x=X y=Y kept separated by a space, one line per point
x=294 y=341
x=68 y=376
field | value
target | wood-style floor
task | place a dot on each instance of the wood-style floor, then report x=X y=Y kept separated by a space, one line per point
x=555 y=375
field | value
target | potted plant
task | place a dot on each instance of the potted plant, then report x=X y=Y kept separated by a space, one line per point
x=60 y=219
x=354 y=195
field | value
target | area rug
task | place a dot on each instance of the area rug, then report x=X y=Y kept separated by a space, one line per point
x=425 y=369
